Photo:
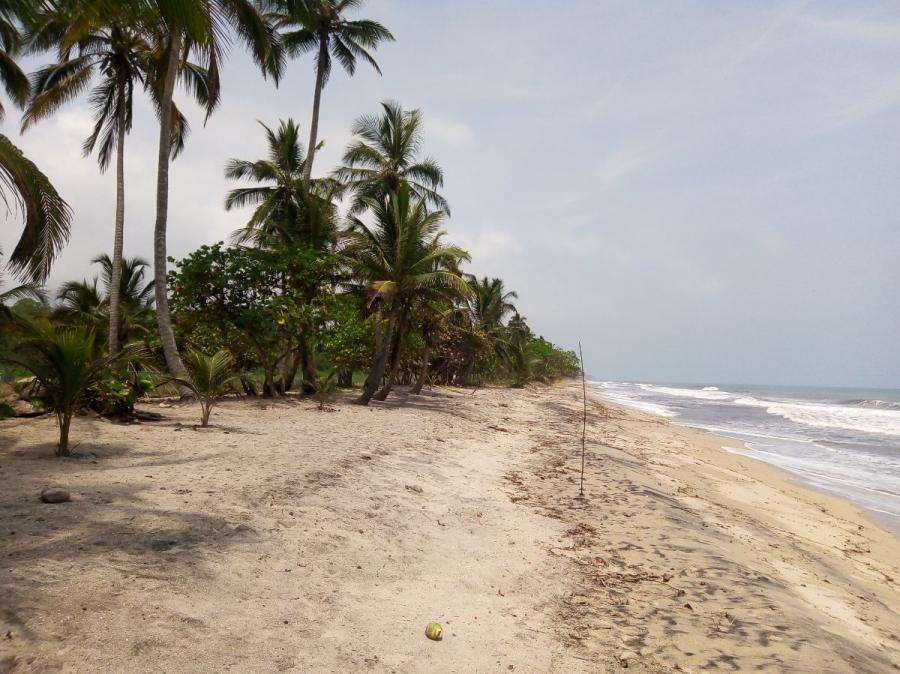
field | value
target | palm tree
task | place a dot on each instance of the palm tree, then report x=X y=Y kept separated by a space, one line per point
x=286 y=213
x=521 y=359
x=399 y=257
x=47 y=217
x=428 y=300
x=84 y=303
x=80 y=304
x=20 y=292
x=65 y=362
x=320 y=26
x=195 y=26
x=211 y=377
x=386 y=154
x=116 y=50
x=430 y=317
x=489 y=304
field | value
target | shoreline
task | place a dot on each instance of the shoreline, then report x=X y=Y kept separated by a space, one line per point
x=736 y=441
x=835 y=502
x=289 y=539
x=883 y=519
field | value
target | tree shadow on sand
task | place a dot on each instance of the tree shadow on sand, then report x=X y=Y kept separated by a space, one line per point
x=43 y=546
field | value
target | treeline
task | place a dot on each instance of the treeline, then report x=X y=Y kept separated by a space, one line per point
x=342 y=274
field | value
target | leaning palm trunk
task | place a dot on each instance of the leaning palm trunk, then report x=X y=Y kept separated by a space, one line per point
x=379 y=364
x=396 y=350
x=163 y=317
x=317 y=100
x=423 y=371
x=115 y=279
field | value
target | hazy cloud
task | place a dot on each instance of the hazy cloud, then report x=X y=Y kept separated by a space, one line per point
x=448 y=131
x=697 y=191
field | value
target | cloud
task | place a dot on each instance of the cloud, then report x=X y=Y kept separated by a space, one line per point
x=636 y=187
x=880 y=98
x=448 y=131
x=489 y=244
x=858 y=29
x=631 y=159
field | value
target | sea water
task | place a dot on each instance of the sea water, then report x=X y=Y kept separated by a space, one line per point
x=840 y=440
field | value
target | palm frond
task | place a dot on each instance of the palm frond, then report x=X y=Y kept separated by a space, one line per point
x=47 y=217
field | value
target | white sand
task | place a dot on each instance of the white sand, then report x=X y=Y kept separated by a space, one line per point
x=288 y=539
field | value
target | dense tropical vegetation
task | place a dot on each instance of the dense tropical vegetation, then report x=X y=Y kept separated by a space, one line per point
x=346 y=278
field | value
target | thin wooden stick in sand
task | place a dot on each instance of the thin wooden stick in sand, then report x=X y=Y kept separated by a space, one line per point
x=584 y=418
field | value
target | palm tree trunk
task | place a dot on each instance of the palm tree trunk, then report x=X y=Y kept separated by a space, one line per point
x=423 y=371
x=64 y=419
x=115 y=276
x=317 y=99
x=396 y=349
x=163 y=317
x=379 y=364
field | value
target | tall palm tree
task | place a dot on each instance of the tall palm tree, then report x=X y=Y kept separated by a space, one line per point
x=47 y=217
x=286 y=213
x=386 y=153
x=195 y=26
x=321 y=26
x=488 y=306
x=279 y=179
x=490 y=302
x=115 y=50
x=398 y=257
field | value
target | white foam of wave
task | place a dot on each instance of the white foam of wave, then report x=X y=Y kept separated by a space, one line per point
x=878 y=420
x=708 y=393
x=866 y=419
x=819 y=471
x=612 y=393
x=742 y=433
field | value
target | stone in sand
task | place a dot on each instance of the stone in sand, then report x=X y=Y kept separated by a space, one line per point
x=55 y=495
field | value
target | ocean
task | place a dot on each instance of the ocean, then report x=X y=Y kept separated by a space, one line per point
x=840 y=440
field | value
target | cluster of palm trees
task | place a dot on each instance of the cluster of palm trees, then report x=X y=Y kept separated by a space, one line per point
x=114 y=47
x=379 y=215
x=390 y=252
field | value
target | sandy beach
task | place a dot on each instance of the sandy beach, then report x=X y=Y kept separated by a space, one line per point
x=285 y=538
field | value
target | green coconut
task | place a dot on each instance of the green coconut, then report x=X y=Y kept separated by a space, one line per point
x=434 y=632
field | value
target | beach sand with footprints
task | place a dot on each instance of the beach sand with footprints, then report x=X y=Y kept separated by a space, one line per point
x=285 y=538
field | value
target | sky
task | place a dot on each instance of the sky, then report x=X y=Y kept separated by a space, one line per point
x=698 y=191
